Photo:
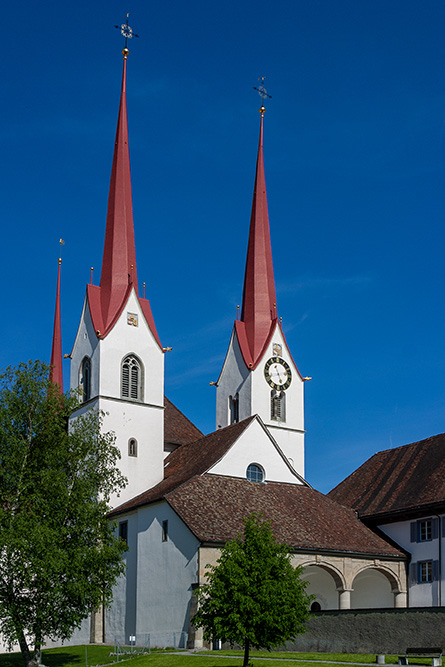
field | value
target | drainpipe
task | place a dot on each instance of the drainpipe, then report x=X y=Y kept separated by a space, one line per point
x=439 y=534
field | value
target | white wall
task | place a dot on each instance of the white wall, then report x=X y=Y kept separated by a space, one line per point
x=421 y=594
x=159 y=604
x=235 y=378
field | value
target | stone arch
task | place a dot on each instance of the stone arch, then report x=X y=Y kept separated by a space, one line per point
x=324 y=582
x=374 y=586
x=393 y=577
x=335 y=573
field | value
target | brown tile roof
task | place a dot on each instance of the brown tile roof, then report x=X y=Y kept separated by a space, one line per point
x=178 y=430
x=398 y=480
x=213 y=507
x=187 y=461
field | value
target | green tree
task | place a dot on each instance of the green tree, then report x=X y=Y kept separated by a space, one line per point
x=59 y=556
x=254 y=597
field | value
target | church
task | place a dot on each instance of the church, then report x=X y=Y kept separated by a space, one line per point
x=187 y=492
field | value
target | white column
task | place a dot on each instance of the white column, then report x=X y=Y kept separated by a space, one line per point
x=400 y=599
x=344 y=598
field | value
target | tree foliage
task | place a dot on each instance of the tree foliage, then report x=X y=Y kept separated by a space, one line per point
x=59 y=556
x=254 y=597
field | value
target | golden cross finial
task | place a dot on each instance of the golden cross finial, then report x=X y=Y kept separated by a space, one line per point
x=262 y=92
x=127 y=32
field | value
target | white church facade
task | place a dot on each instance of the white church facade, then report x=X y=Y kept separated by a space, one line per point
x=188 y=493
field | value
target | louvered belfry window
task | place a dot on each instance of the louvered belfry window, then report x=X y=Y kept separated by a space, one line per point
x=131 y=386
x=278 y=405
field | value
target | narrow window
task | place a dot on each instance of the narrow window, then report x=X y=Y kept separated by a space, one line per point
x=132 y=378
x=425 y=571
x=132 y=447
x=255 y=473
x=425 y=530
x=165 y=531
x=234 y=408
x=123 y=531
x=85 y=379
x=278 y=405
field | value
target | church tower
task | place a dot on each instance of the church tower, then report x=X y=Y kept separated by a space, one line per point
x=259 y=375
x=117 y=362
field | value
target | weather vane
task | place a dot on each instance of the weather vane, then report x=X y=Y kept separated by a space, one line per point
x=262 y=92
x=126 y=31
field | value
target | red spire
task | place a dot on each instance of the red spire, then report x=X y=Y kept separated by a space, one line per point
x=258 y=312
x=56 y=370
x=119 y=259
x=119 y=273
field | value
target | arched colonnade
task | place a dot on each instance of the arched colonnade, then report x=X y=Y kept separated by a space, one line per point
x=353 y=583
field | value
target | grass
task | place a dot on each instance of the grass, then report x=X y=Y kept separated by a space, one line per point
x=334 y=657
x=74 y=656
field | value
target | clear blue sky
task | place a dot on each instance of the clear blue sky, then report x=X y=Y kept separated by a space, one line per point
x=355 y=166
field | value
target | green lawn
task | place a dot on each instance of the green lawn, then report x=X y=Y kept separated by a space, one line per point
x=336 y=657
x=74 y=656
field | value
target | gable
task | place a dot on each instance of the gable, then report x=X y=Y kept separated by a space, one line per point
x=255 y=445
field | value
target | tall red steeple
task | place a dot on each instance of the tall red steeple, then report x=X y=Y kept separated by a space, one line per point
x=119 y=258
x=56 y=370
x=258 y=311
x=119 y=272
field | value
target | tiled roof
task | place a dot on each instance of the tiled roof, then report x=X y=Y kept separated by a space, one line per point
x=213 y=508
x=187 y=461
x=178 y=430
x=397 y=480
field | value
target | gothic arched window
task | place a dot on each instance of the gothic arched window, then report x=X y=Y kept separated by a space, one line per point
x=85 y=379
x=132 y=378
x=278 y=405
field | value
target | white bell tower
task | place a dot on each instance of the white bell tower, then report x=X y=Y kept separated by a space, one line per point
x=117 y=360
x=259 y=375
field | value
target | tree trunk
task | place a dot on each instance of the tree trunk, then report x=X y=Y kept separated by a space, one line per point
x=26 y=655
x=246 y=653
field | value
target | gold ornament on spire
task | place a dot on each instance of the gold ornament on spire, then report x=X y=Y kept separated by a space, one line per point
x=127 y=32
x=61 y=243
x=262 y=92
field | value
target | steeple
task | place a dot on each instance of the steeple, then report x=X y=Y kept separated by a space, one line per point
x=119 y=272
x=258 y=312
x=56 y=370
x=119 y=258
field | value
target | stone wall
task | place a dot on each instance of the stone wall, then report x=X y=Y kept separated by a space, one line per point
x=372 y=631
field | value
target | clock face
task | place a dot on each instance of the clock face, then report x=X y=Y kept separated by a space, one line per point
x=278 y=373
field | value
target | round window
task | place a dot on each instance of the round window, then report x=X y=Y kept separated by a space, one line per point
x=255 y=473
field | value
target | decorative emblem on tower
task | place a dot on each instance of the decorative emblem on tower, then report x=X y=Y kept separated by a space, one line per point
x=127 y=32
x=262 y=92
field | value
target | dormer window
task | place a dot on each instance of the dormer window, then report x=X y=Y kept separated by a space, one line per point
x=85 y=379
x=132 y=378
